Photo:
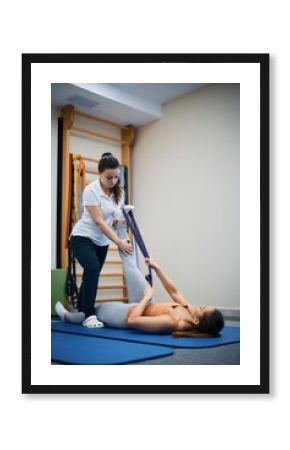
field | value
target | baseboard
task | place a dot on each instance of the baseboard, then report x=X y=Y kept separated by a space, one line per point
x=230 y=312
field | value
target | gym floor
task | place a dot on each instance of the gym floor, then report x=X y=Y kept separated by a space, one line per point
x=222 y=355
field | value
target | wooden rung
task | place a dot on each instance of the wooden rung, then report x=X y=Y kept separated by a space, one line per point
x=113 y=261
x=113 y=249
x=112 y=274
x=86 y=159
x=99 y=119
x=110 y=261
x=115 y=299
x=113 y=286
x=97 y=134
x=92 y=172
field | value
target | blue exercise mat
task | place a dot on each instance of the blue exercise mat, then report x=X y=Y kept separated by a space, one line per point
x=70 y=348
x=229 y=335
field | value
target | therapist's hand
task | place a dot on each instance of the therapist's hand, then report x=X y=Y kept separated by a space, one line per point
x=125 y=247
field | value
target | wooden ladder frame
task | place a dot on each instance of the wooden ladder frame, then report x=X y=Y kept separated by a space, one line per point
x=126 y=141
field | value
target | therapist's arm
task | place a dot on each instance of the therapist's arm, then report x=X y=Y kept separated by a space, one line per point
x=97 y=216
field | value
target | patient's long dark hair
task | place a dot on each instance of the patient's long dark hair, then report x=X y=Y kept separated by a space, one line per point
x=108 y=161
x=210 y=325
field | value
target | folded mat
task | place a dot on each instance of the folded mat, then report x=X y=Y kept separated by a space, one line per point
x=229 y=335
x=70 y=348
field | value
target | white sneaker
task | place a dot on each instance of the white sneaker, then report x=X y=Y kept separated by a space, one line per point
x=92 y=322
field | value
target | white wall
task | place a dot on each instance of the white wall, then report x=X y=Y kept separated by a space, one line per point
x=186 y=193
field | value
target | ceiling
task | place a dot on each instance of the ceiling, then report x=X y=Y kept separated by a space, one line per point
x=126 y=103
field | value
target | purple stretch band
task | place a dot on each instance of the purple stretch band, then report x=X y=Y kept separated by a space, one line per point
x=137 y=235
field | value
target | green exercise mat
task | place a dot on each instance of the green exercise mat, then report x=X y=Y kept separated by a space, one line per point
x=58 y=282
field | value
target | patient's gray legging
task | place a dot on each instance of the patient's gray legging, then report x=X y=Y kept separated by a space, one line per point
x=113 y=314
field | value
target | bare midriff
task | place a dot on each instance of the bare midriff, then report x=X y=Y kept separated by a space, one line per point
x=174 y=310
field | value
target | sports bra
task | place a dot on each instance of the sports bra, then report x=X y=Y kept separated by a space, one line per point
x=156 y=309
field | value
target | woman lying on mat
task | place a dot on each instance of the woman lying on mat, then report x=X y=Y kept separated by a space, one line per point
x=178 y=316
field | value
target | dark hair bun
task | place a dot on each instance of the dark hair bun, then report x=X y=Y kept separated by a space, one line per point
x=106 y=155
x=107 y=161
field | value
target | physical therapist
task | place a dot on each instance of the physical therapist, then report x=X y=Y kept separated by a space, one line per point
x=89 y=240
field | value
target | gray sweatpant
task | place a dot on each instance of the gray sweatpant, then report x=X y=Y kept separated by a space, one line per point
x=113 y=314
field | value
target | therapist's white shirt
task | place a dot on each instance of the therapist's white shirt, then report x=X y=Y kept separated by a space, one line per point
x=95 y=196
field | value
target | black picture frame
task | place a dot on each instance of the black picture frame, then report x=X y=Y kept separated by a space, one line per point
x=248 y=58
